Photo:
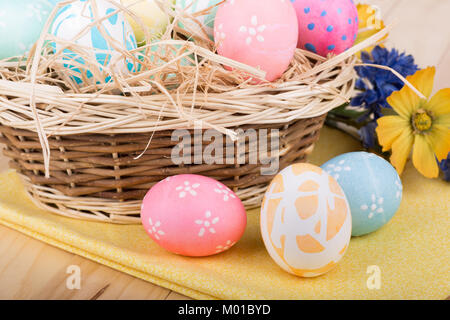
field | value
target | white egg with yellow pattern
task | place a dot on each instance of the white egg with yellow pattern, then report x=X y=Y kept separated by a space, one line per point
x=305 y=222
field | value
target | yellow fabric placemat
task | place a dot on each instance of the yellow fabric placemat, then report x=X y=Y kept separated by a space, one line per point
x=411 y=251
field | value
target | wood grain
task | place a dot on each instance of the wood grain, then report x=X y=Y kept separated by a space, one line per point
x=30 y=269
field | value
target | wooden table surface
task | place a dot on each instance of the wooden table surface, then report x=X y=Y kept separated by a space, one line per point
x=30 y=269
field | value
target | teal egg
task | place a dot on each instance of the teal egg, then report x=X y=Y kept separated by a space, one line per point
x=195 y=6
x=160 y=50
x=372 y=187
x=21 y=24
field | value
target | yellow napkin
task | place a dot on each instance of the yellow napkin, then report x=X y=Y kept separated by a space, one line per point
x=410 y=252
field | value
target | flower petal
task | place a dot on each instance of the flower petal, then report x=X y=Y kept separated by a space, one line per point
x=443 y=120
x=423 y=80
x=423 y=157
x=401 y=148
x=404 y=102
x=439 y=103
x=389 y=129
x=439 y=139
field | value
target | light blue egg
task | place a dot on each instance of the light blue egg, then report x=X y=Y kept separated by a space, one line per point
x=157 y=50
x=195 y=6
x=21 y=24
x=73 y=19
x=54 y=2
x=372 y=187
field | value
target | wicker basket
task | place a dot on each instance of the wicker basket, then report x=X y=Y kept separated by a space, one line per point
x=92 y=153
x=96 y=176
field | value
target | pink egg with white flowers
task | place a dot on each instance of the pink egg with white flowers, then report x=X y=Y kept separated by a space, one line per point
x=260 y=33
x=193 y=215
x=326 y=26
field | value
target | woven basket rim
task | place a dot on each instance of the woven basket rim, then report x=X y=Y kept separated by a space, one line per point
x=278 y=102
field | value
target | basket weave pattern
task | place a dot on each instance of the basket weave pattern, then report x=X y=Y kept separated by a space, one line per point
x=100 y=166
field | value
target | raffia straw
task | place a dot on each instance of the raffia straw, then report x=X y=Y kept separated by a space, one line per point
x=37 y=55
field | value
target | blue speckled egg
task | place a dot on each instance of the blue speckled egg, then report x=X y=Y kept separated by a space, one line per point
x=73 y=19
x=372 y=186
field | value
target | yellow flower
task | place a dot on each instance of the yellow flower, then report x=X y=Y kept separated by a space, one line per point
x=421 y=124
x=369 y=24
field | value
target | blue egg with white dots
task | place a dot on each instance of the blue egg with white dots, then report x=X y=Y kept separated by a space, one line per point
x=372 y=186
x=71 y=21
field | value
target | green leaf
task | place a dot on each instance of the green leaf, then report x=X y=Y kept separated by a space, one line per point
x=346 y=112
x=388 y=112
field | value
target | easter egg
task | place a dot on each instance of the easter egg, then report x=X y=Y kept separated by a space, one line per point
x=372 y=186
x=73 y=18
x=153 y=17
x=305 y=220
x=326 y=26
x=161 y=54
x=21 y=24
x=193 y=215
x=207 y=20
x=259 y=33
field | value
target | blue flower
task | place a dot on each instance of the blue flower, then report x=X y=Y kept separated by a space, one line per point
x=445 y=167
x=377 y=85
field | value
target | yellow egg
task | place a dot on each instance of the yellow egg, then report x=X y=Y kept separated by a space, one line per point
x=306 y=223
x=155 y=19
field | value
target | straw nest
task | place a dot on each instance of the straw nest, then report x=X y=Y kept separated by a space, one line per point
x=90 y=151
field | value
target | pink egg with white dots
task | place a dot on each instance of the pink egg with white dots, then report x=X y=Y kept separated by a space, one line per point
x=326 y=26
x=260 y=33
x=193 y=215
